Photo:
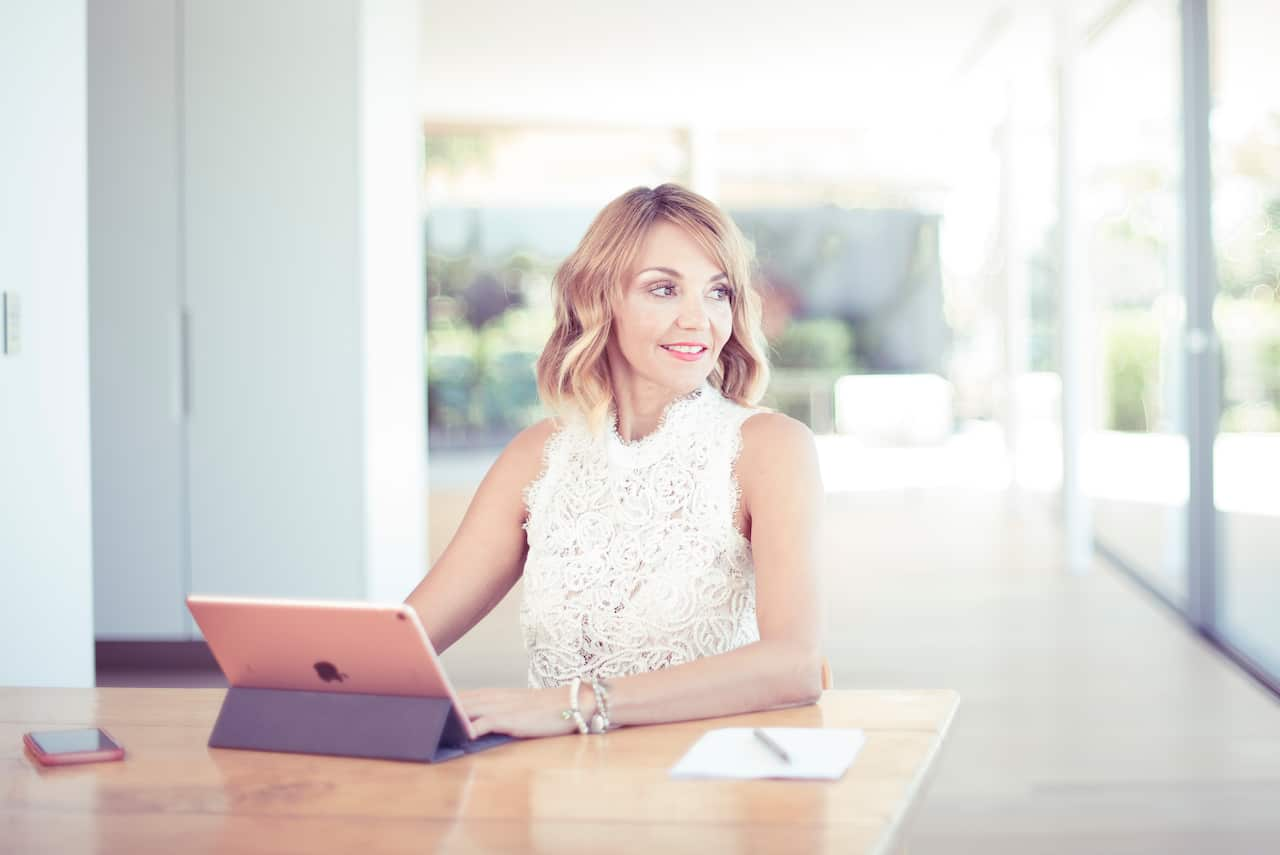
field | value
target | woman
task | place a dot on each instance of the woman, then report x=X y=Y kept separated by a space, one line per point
x=664 y=526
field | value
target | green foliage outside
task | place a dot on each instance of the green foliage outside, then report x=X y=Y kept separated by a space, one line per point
x=457 y=152
x=806 y=359
x=1251 y=255
x=1132 y=370
x=1249 y=330
x=481 y=380
x=485 y=330
x=1270 y=353
x=1250 y=333
x=815 y=345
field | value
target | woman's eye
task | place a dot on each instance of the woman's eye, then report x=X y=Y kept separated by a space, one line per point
x=663 y=290
x=723 y=294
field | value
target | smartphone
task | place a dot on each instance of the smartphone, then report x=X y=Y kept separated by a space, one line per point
x=64 y=747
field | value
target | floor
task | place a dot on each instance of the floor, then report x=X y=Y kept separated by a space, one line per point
x=1091 y=720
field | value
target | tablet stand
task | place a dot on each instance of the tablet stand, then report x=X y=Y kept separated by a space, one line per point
x=389 y=727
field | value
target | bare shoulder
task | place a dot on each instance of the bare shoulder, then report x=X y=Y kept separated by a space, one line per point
x=532 y=440
x=523 y=456
x=501 y=493
x=770 y=439
x=778 y=466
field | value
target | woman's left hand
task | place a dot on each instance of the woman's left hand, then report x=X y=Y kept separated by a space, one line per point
x=518 y=712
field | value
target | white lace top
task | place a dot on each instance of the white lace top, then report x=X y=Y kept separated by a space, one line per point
x=635 y=562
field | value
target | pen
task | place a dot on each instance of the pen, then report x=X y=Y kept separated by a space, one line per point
x=772 y=745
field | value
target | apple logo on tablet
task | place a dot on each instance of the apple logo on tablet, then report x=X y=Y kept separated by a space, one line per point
x=328 y=672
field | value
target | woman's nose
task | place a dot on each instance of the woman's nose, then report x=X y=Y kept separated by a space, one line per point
x=693 y=315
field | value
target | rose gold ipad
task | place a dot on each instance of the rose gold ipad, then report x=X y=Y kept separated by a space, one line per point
x=323 y=646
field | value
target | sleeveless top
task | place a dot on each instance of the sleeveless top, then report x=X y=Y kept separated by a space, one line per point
x=635 y=562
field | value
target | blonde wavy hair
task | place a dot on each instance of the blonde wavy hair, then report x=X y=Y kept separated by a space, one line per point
x=573 y=373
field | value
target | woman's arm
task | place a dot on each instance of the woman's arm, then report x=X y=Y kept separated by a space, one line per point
x=486 y=555
x=782 y=495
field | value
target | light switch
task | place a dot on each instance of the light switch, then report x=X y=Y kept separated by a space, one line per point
x=11 y=320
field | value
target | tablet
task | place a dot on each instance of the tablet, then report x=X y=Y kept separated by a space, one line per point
x=323 y=646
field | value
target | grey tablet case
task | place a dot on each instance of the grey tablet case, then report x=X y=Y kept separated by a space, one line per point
x=388 y=727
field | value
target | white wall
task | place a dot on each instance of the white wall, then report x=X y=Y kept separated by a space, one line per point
x=46 y=572
x=257 y=165
x=273 y=289
x=135 y=296
x=391 y=255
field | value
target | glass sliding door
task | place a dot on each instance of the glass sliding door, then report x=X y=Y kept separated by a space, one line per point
x=1245 y=148
x=1135 y=454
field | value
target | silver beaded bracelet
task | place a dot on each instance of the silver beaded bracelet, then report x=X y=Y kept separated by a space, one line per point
x=573 y=712
x=600 y=718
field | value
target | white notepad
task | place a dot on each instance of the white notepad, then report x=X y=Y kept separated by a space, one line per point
x=817 y=753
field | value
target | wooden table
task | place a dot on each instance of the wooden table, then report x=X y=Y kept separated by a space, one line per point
x=568 y=794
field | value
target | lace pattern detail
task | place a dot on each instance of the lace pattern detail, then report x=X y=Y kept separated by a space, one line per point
x=634 y=562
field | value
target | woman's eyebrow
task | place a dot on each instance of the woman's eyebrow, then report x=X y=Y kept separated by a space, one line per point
x=675 y=274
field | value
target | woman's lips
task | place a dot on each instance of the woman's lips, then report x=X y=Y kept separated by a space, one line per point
x=686 y=356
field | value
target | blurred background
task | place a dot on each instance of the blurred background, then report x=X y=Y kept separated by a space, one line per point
x=280 y=274
x=899 y=175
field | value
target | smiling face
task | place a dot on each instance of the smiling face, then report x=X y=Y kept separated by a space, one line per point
x=672 y=316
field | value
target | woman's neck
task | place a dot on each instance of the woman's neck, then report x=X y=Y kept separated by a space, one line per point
x=640 y=406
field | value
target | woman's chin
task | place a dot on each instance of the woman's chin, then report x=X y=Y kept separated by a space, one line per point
x=677 y=383
x=686 y=378
x=680 y=379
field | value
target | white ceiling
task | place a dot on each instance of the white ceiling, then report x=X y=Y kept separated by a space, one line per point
x=745 y=63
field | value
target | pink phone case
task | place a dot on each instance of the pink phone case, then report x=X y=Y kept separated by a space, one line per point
x=73 y=757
